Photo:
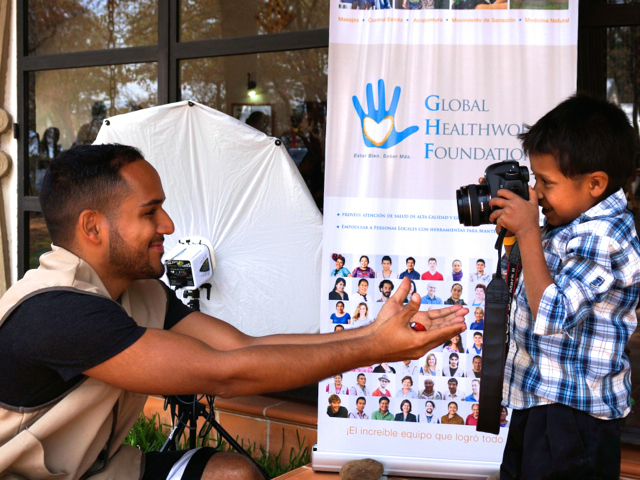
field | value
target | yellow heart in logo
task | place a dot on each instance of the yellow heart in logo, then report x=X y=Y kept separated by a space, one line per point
x=377 y=133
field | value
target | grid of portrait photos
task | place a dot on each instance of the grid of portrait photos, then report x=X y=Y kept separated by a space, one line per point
x=443 y=386
x=453 y=4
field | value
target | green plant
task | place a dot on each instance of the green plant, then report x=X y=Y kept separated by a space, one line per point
x=149 y=434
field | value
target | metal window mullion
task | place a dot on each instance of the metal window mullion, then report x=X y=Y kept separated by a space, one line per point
x=91 y=58
x=276 y=42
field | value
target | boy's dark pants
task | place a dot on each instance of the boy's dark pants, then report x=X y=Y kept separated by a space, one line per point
x=558 y=442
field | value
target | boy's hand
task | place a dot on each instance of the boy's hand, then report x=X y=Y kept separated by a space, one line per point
x=516 y=214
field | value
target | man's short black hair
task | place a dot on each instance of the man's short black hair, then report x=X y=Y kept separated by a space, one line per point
x=384 y=282
x=383 y=398
x=412 y=259
x=586 y=135
x=361 y=398
x=85 y=177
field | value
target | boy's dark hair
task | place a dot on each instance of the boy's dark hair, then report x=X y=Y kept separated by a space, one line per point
x=585 y=135
x=84 y=177
x=412 y=259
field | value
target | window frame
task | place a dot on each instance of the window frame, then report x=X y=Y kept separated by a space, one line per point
x=167 y=54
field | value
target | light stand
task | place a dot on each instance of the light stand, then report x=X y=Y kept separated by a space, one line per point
x=188 y=265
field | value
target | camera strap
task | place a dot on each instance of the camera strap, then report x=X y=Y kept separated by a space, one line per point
x=498 y=301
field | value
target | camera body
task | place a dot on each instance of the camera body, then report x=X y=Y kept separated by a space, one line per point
x=473 y=200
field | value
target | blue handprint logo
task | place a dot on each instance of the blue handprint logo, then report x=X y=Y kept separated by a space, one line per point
x=378 y=126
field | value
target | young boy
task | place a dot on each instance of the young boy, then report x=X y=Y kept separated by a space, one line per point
x=567 y=376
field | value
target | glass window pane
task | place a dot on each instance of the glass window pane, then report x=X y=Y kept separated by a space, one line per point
x=67 y=107
x=623 y=88
x=289 y=100
x=39 y=239
x=61 y=26
x=207 y=19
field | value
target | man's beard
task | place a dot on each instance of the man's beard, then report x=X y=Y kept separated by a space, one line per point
x=128 y=262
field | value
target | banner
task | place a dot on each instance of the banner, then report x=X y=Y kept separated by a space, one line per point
x=423 y=96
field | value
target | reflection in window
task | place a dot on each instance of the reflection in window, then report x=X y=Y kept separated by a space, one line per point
x=39 y=239
x=208 y=19
x=67 y=107
x=623 y=88
x=60 y=26
x=289 y=100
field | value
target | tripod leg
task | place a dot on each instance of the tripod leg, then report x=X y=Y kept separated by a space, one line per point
x=172 y=441
x=178 y=429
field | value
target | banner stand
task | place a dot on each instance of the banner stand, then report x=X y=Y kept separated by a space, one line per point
x=409 y=466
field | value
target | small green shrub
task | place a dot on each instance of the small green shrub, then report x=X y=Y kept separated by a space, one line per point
x=149 y=434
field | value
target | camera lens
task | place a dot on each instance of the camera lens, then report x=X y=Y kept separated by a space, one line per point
x=473 y=205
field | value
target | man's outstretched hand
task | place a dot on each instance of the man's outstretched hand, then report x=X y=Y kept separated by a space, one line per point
x=398 y=340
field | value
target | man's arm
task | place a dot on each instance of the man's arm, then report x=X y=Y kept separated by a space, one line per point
x=222 y=336
x=166 y=362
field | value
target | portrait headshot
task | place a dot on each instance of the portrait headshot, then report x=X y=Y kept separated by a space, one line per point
x=480 y=291
x=340 y=316
x=405 y=414
x=382 y=390
x=360 y=387
x=453 y=368
x=363 y=270
x=386 y=288
x=454 y=345
x=475 y=391
x=452 y=418
x=384 y=368
x=472 y=418
x=408 y=367
x=334 y=409
x=336 y=386
x=429 y=413
x=383 y=412
x=481 y=274
x=387 y=269
x=478 y=323
x=456 y=274
x=431 y=298
x=455 y=298
x=430 y=367
x=476 y=348
x=410 y=271
x=429 y=392
x=361 y=316
x=476 y=367
x=453 y=392
x=361 y=294
x=504 y=413
x=338 y=292
x=407 y=391
x=340 y=270
x=358 y=413
x=432 y=272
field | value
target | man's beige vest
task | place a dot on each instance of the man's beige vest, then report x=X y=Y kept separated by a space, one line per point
x=71 y=436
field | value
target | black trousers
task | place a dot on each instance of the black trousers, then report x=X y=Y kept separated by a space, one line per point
x=556 y=442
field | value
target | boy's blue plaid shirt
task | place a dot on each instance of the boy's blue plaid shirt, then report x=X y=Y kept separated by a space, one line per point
x=573 y=353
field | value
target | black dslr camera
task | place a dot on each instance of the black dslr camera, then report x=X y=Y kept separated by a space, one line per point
x=473 y=200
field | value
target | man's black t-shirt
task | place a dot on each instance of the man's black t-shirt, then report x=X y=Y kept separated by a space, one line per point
x=50 y=339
